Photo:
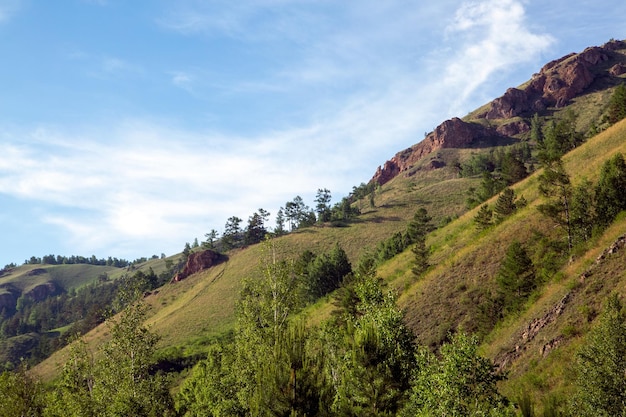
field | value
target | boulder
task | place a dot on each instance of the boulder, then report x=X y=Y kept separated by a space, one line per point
x=198 y=261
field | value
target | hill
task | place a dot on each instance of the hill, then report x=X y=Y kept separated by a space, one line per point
x=460 y=290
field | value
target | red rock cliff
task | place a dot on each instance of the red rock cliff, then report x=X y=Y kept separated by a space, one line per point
x=198 y=261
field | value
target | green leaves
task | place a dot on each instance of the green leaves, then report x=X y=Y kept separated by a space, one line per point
x=459 y=383
x=601 y=365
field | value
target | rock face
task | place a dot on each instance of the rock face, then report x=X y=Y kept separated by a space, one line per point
x=453 y=133
x=198 y=261
x=42 y=291
x=556 y=84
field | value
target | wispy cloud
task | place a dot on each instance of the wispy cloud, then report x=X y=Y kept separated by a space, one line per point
x=490 y=36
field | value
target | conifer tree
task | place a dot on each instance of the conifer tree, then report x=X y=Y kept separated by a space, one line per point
x=505 y=205
x=483 y=218
x=617 y=105
x=601 y=365
x=516 y=277
x=554 y=184
x=416 y=232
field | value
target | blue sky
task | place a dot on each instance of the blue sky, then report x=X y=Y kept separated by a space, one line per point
x=128 y=128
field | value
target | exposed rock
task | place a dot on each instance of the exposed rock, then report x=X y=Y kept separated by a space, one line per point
x=453 y=133
x=42 y=291
x=616 y=246
x=198 y=261
x=513 y=103
x=617 y=70
x=530 y=331
x=514 y=128
x=555 y=85
x=614 y=45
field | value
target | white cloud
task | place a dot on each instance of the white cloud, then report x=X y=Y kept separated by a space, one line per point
x=489 y=36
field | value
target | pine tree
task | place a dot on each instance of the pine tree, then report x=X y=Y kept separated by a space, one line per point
x=601 y=365
x=554 y=183
x=516 y=277
x=617 y=105
x=483 y=218
x=416 y=232
x=505 y=205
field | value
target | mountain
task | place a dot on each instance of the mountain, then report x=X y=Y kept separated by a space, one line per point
x=447 y=172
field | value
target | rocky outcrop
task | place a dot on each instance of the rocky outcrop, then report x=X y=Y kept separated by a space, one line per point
x=555 y=85
x=42 y=291
x=453 y=133
x=198 y=261
x=530 y=331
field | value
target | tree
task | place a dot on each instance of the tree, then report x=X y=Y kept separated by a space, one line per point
x=120 y=383
x=322 y=207
x=483 y=218
x=512 y=168
x=325 y=273
x=416 y=232
x=516 y=277
x=211 y=238
x=601 y=365
x=554 y=183
x=582 y=211
x=20 y=394
x=536 y=129
x=617 y=105
x=370 y=358
x=231 y=238
x=609 y=193
x=279 y=229
x=505 y=205
x=255 y=231
x=460 y=383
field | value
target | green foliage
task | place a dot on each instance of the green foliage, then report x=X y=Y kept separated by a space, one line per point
x=516 y=278
x=609 y=193
x=324 y=273
x=559 y=137
x=554 y=183
x=459 y=383
x=370 y=361
x=582 y=212
x=20 y=394
x=483 y=218
x=322 y=207
x=505 y=204
x=601 y=365
x=232 y=236
x=120 y=383
x=255 y=231
x=617 y=105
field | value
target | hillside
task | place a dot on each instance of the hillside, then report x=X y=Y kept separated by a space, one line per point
x=456 y=292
